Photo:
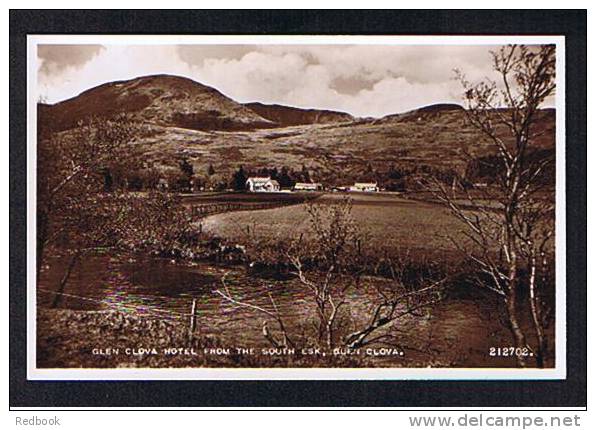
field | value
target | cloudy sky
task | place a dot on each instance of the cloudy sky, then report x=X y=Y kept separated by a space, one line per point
x=364 y=80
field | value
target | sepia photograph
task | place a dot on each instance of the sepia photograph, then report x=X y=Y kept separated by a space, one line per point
x=296 y=207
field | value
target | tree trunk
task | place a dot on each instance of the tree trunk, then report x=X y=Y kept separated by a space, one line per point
x=536 y=315
x=511 y=304
x=511 y=295
x=42 y=236
x=58 y=297
x=516 y=331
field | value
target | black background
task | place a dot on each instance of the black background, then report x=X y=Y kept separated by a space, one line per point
x=569 y=392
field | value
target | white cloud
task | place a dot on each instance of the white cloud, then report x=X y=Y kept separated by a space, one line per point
x=372 y=80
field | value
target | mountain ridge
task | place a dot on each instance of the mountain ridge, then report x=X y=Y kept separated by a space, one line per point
x=290 y=115
x=197 y=123
x=165 y=100
x=178 y=101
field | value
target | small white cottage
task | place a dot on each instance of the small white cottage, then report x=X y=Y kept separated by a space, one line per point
x=262 y=185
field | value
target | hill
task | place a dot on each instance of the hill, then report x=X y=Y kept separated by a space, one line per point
x=191 y=121
x=426 y=113
x=338 y=153
x=169 y=101
x=289 y=116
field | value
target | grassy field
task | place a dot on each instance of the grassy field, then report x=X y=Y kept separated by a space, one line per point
x=391 y=223
x=240 y=197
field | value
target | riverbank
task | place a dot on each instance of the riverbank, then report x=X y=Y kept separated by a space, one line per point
x=112 y=339
x=152 y=324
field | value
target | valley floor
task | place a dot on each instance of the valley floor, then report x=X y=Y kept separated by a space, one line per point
x=141 y=304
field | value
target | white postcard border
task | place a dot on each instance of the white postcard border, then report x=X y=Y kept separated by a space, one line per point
x=559 y=372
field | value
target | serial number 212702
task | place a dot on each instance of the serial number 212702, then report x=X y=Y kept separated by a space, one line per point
x=509 y=351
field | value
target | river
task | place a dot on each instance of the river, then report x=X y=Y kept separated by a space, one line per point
x=458 y=332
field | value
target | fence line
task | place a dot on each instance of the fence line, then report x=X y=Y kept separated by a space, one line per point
x=215 y=208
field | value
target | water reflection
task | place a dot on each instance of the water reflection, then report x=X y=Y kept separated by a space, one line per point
x=460 y=330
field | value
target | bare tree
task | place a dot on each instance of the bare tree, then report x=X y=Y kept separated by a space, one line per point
x=509 y=223
x=77 y=215
x=68 y=173
x=334 y=249
x=399 y=301
x=328 y=263
x=272 y=313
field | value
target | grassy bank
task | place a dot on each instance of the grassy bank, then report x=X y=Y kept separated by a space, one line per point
x=390 y=224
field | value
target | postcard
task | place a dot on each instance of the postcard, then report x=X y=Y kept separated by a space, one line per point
x=296 y=207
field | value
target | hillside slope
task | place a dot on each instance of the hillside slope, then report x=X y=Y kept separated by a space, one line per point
x=191 y=121
x=160 y=99
x=289 y=116
x=338 y=153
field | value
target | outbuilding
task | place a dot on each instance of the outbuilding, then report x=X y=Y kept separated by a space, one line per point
x=308 y=186
x=365 y=187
